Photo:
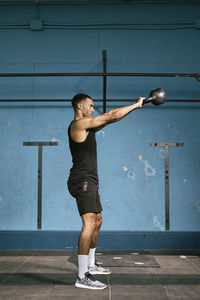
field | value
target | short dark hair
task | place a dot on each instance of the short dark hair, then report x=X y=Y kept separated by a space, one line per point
x=78 y=98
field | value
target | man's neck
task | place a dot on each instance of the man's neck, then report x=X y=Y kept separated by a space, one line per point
x=78 y=115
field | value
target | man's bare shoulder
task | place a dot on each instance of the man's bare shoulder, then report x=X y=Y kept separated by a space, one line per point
x=80 y=124
x=78 y=132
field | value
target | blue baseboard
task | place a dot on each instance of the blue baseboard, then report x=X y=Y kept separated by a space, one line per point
x=10 y=240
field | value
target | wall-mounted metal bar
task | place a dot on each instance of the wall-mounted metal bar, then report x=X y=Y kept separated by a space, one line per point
x=104 y=79
x=195 y=75
x=103 y=74
x=40 y=146
x=167 y=145
x=96 y=100
x=40 y=143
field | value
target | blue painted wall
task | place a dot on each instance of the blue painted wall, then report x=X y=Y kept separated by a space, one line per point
x=138 y=38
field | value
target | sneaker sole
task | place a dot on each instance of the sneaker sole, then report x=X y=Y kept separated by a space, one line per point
x=89 y=287
x=99 y=273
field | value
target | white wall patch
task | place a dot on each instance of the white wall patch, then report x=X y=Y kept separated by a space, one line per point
x=157 y=223
x=149 y=170
x=101 y=133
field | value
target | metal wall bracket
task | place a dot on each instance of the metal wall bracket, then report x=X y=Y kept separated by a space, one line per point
x=104 y=57
x=40 y=145
x=167 y=145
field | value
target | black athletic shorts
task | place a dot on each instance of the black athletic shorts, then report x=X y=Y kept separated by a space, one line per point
x=87 y=196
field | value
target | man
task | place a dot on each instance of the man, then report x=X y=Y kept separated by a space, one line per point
x=83 y=181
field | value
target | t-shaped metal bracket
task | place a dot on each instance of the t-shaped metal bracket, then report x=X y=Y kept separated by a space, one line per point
x=167 y=145
x=40 y=145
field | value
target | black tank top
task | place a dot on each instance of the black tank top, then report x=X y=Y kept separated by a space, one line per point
x=84 y=159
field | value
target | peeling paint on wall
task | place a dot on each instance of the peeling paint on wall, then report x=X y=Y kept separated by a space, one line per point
x=162 y=153
x=54 y=139
x=149 y=170
x=157 y=223
x=108 y=203
x=125 y=169
x=130 y=174
x=101 y=133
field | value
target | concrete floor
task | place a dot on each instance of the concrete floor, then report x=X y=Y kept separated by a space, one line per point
x=42 y=275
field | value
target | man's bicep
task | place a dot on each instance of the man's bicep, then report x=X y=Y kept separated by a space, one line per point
x=100 y=121
x=93 y=122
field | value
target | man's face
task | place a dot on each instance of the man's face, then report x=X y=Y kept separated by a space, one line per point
x=87 y=107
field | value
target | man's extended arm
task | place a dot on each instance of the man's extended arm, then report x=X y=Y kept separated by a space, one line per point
x=114 y=115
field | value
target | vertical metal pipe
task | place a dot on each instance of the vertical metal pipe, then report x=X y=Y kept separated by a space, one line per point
x=39 y=216
x=39 y=203
x=167 y=205
x=104 y=54
x=166 y=187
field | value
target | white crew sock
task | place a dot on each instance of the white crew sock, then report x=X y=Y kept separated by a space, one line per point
x=91 y=257
x=82 y=265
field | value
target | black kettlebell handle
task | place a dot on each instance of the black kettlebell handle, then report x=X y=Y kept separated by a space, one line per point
x=147 y=100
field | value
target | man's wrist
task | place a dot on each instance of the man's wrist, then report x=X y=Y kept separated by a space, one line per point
x=136 y=105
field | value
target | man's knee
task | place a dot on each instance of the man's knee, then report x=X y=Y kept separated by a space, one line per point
x=99 y=220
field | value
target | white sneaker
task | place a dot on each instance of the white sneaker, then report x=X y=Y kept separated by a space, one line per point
x=96 y=269
x=89 y=282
